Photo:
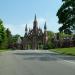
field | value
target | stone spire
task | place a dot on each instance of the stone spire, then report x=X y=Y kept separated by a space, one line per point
x=45 y=34
x=45 y=27
x=35 y=23
x=35 y=18
x=26 y=30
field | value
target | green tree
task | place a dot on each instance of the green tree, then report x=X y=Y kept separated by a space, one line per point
x=14 y=41
x=2 y=35
x=15 y=38
x=9 y=38
x=66 y=15
x=50 y=36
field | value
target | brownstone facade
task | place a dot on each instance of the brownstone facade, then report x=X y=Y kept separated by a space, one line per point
x=35 y=38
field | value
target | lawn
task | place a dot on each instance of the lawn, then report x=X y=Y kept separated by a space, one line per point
x=67 y=51
x=3 y=50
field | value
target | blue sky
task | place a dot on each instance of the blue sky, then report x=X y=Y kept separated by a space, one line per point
x=16 y=13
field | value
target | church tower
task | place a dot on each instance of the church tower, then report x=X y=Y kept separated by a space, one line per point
x=26 y=30
x=35 y=38
x=45 y=34
x=35 y=23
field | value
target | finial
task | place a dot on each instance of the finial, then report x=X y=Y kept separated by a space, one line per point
x=35 y=17
x=45 y=26
x=26 y=28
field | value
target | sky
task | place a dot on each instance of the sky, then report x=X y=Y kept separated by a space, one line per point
x=17 y=13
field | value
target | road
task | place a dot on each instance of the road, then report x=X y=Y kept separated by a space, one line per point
x=36 y=62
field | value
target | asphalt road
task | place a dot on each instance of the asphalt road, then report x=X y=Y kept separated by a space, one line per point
x=33 y=62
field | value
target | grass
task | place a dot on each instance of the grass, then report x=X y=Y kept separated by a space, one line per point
x=3 y=50
x=66 y=51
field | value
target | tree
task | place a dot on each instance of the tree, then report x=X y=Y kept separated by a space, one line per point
x=9 y=38
x=50 y=36
x=66 y=15
x=14 y=40
x=2 y=35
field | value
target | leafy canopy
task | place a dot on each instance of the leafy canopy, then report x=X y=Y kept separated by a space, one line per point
x=66 y=15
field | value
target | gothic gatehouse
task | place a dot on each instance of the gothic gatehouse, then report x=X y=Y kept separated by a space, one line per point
x=34 y=38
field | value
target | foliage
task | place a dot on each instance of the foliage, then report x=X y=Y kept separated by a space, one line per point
x=2 y=35
x=66 y=15
x=15 y=38
x=50 y=43
x=63 y=35
x=1 y=32
x=5 y=36
x=9 y=38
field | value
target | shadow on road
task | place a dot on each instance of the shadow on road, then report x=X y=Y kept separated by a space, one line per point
x=44 y=56
x=38 y=56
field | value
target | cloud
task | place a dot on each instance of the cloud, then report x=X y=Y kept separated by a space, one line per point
x=20 y=29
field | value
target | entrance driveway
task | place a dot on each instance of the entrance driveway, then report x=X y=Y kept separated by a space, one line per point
x=36 y=62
